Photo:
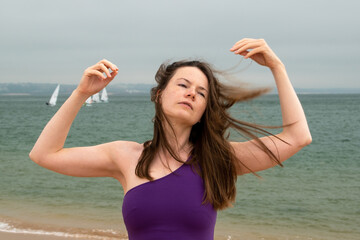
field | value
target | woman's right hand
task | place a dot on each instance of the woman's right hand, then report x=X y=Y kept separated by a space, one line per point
x=93 y=79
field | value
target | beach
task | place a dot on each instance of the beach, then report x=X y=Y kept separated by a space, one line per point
x=22 y=236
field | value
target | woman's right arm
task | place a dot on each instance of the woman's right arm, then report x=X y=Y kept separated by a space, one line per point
x=94 y=161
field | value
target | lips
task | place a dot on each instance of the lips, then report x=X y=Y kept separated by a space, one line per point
x=187 y=103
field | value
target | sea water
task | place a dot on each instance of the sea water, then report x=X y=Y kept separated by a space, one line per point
x=315 y=196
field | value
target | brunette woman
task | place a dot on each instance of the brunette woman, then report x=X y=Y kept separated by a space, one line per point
x=175 y=183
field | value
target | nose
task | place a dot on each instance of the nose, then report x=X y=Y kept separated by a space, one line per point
x=191 y=93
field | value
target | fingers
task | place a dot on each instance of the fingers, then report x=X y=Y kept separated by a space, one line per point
x=256 y=47
x=108 y=64
x=96 y=73
x=242 y=41
x=103 y=67
x=246 y=40
x=112 y=75
x=246 y=44
x=100 y=67
x=254 y=51
x=243 y=53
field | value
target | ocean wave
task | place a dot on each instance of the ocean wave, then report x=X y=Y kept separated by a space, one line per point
x=95 y=233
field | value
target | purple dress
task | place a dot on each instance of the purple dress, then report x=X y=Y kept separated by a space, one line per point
x=169 y=208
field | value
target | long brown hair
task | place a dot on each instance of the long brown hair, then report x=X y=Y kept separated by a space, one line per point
x=211 y=152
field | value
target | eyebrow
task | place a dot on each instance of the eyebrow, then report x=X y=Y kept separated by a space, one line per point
x=202 y=88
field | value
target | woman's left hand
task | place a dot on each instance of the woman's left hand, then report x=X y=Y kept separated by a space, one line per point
x=260 y=52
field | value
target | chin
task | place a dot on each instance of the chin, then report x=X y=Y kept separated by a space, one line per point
x=182 y=116
x=186 y=119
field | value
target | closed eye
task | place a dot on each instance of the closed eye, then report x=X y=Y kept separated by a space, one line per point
x=182 y=85
x=203 y=95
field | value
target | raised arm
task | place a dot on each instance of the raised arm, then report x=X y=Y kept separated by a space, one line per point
x=297 y=134
x=94 y=161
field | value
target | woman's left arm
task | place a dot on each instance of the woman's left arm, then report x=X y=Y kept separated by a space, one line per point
x=296 y=131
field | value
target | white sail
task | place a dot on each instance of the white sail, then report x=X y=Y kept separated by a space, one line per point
x=54 y=96
x=104 y=96
x=88 y=101
x=96 y=97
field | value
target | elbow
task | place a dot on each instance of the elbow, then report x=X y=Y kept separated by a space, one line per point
x=39 y=156
x=298 y=140
x=34 y=157
x=306 y=141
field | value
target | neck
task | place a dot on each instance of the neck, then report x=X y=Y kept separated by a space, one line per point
x=179 y=138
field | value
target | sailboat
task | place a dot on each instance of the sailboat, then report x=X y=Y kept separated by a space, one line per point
x=52 y=101
x=88 y=101
x=104 y=96
x=96 y=98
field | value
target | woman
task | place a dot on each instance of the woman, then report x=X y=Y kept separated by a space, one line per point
x=175 y=183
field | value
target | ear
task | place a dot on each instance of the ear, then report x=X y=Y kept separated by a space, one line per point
x=157 y=96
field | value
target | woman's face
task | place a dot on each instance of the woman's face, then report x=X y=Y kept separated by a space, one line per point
x=185 y=97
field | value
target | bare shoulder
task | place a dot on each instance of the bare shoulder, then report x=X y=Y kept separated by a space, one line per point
x=126 y=149
x=126 y=154
x=126 y=146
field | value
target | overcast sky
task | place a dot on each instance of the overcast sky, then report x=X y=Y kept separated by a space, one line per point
x=54 y=41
